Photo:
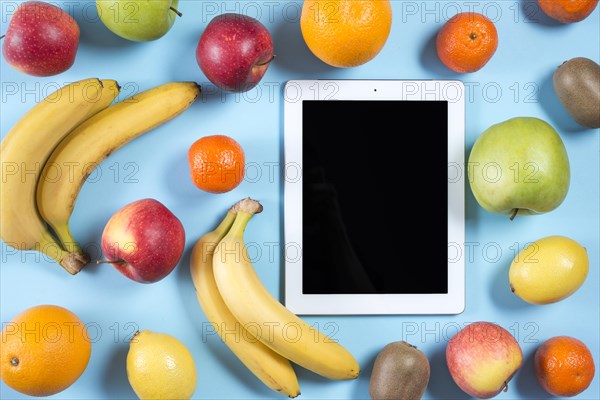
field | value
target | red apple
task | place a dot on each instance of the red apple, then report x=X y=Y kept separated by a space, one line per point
x=482 y=359
x=41 y=39
x=234 y=52
x=144 y=241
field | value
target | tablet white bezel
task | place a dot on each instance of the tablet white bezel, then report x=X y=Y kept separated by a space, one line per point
x=360 y=304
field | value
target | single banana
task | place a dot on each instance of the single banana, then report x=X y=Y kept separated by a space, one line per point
x=94 y=140
x=251 y=303
x=24 y=152
x=272 y=369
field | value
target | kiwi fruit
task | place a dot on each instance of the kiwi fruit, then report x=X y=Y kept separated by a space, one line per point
x=577 y=85
x=401 y=372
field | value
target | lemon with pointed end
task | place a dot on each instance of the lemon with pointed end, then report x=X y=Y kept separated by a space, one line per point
x=160 y=367
x=549 y=270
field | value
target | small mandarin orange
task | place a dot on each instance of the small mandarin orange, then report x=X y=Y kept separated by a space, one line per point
x=217 y=163
x=467 y=42
x=564 y=366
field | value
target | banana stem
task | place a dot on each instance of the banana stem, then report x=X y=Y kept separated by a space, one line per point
x=248 y=205
x=74 y=262
x=245 y=209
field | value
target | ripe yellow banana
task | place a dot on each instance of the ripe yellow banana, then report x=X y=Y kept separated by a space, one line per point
x=24 y=152
x=94 y=140
x=272 y=369
x=251 y=303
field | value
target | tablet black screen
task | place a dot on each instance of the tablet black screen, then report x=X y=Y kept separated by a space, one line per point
x=355 y=155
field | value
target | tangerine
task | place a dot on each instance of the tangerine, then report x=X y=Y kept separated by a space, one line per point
x=564 y=366
x=467 y=42
x=217 y=163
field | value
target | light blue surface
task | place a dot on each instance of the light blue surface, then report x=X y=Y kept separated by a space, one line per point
x=516 y=82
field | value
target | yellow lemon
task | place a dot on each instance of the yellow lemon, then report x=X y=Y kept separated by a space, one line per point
x=160 y=367
x=549 y=270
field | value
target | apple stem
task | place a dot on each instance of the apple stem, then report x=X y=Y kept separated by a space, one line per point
x=110 y=262
x=514 y=214
x=2 y=37
x=176 y=11
x=266 y=62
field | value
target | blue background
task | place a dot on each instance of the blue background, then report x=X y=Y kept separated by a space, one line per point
x=516 y=82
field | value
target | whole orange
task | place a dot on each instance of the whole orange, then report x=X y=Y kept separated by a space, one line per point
x=467 y=42
x=564 y=366
x=346 y=33
x=217 y=163
x=567 y=11
x=44 y=350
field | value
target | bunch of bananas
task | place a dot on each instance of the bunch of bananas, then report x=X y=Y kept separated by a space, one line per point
x=240 y=309
x=73 y=127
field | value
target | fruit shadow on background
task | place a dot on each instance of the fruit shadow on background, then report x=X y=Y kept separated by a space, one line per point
x=558 y=115
x=177 y=176
x=525 y=380
x=534 y=14
x=361 y=384
x=185 y=63
x=441 y=385
x=293 y=55
x=94 y=33
x=114 y=379
x=472 y=208
x=500 y=292
x=431 y=62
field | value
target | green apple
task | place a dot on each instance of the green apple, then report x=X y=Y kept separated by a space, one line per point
x=519 y=166
x=138 y=20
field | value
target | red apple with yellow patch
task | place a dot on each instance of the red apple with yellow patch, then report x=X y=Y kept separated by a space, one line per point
x=482 y=359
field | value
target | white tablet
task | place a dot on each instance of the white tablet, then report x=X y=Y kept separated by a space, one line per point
x=351 y=196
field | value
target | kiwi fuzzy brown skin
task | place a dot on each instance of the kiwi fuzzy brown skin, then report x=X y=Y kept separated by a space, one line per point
x=577 y=85
x=401 y=371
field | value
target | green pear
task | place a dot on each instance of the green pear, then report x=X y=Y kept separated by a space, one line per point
x=519 y=166
x=138 y=20
x=549 y=270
